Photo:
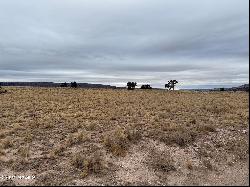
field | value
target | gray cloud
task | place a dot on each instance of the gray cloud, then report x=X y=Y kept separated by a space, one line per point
x=110 y=41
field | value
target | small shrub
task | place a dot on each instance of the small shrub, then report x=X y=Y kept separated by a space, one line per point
x=117 y=142
x=161 y=161
x=78 y=161
x=133 y=135
x=93 y=164
x=181 y=138
x=76 y=138
x=207 y=128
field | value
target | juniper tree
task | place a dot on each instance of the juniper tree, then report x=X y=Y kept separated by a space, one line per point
x=131 y=85
x=64 y=85
x=147 y=86
x=73 y=84
x=171 y=84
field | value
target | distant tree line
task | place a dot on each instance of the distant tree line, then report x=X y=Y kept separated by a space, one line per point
x=147 y=86
x=170 y=85
x=72 y=84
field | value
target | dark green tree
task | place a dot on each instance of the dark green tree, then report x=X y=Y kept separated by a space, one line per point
x=131 y=85
x=73 y=84
x=147 y=86
x=222 y=89
x=171 y=84
x=64 y=85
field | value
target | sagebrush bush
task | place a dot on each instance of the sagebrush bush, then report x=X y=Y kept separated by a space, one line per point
x=76 y=138
x=161 y=161
x=117 y=142
x=89 y=164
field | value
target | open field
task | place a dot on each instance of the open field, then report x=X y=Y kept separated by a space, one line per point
x=66 y=136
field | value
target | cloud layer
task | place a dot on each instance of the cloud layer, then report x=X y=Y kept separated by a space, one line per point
x=200 y=43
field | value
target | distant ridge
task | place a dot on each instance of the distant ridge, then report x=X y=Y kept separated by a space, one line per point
x=244 y=87
x=52 y=84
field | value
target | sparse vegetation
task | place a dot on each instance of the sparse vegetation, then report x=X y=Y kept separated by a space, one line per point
x=24 y=152
x=2 y=90
x=6 y=143
x=85 y=133
x=161 y=161
x=93 y=164
x=117 y=142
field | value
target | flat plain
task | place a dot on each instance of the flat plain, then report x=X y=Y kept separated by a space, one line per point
x=65 y=136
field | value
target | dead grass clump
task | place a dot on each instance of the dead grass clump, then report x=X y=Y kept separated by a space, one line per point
x=58 y=151
x=4 y=133
x=48 y=125
x=28 y=137
x=193 y=121
x=161 y=161
x=81 y=137
x=76 y=138
x=181 y=138
x=163 y=115
x=6 y=143
x=17 y=127
x=24 y=152
x=117 y=142
x=206 y=128
x=93 y=164
x=91 y=127
x=216 y=108
x=133 y=135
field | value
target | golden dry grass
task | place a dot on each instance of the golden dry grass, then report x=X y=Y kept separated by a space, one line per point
x=63 y=135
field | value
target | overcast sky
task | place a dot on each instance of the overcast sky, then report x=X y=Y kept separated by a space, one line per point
x=201 y=43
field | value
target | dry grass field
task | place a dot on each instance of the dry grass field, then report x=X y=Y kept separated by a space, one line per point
x=66 y=136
